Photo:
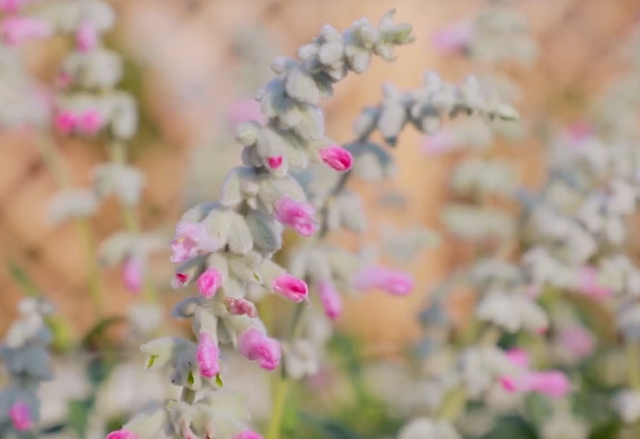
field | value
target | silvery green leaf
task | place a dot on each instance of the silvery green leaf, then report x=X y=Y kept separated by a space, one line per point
x=114 y=249
x=367 y=167
x=332 y=216
x=324 y=81
x=297 y=263
x=207 y=321
x=283 y=64
x=431 y=124
x=149 y=423
x=269 y=143
x=72 y=203
x=218 y=224
x=291 y=117
x=245 y=267
x=161 y=351
x=247 y=132
x=186 y=308
x=311 y=125
x=219 y=262
x=199 y=212
x=273 y=98
x=266 y=232
x=268 y=271
x=351 y=212
x=366 y=122
x=231 y=192
x=239 y=237
x=342 y=264
x=391 y=120
x=124 y=116
x=305 y=52
x=301 y=87
x=384 y=51
x=359 y=58
x=365 y=33
x=317 y=266
x=331 y=53
x=506 y=112
x=330 y=34
x=272 y=189
x=398 y=34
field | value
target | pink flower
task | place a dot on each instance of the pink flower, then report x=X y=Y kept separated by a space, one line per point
x=248 y=434
x=11 y=5
x=180 y=280
x=443 y=141
x=86 y=37
x=330 y=298
x=132 y=274
x=240 y=307
x=274 y=162
x=295 y=214
x=589 y=286
x=245 y=110
x=209 y=282
x=452 y=38
x=15 y=30
x=190 y=240
x=256 y=346
x=20 y=415
x=338 y=158
x=393 y=282
x=290 y=287
x=577 y=340
x=519 y=357
x=207 y=354
x=122 y=434
x=553 y=384
x=577 y=133
x=65 y=122
x=90 y=122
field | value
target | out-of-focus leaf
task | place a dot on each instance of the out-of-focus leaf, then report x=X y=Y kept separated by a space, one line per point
x=606 y=430
x=512 y=427
x=538 y=408
x=79 y=412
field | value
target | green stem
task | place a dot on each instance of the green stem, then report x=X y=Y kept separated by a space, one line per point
x=279 y=403
x=53 y=163
x=187 y=395
x=633 y=360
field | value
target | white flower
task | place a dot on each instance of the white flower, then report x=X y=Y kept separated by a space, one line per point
x=627 y=403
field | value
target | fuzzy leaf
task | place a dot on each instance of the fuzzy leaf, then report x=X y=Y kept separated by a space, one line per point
x=266 y=232
x=239 y=239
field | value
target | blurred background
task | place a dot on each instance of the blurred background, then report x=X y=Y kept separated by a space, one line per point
x=190 y=61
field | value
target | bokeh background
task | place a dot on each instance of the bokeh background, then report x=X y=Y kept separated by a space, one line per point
x=187 y=60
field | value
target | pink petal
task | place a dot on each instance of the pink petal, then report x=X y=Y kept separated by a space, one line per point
x=248 y=434
x=588 y=280
x=330 y=298
x=132 y=274
x=552 y=383
x=207 y=354
x=122 y=434
x=15 y=30
x=65 y=122
x=90 y=122
x=86 y=37
x=256 y=346
x=274 y=162
x=209 y=282
x=452 y=38
x=577 y=340
x=395 y=282
x=295 y=214
x=191 y=239
x=519 y=357
x=20 y=415
x=290 y=287
x=240 y=307
x=338 y=158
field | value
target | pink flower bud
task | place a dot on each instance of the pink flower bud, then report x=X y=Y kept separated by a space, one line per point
x=15 y=30
x=11 y=5
x=190 y=240
x=65 y=122
x=290 y=287
x=245 y=110
x=589 y=286
x=132 y=274
x=295 y=214
x=393 y=282
x=439 y=143
x=553 y=384
x=577 y=340
x=180 y=280
x=519 y=357
x=274 y=162
x=122 y=434
x=90 y=122
x=248 y=434
x=330 y=298
x=256 y=346
x=209 y=282
x=207 y=354
x=86 y=37
x=20 y=415
x=453 y=37
x=338 y=158
x=240 y=307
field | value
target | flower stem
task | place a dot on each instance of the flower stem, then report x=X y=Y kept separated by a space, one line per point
x=279 y=403
x=633 y=360
x=187 y=395
x=53 y=163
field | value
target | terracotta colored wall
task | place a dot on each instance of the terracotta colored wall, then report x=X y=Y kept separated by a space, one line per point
x=189 y=42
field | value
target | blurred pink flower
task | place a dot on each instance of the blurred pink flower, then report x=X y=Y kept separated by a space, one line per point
x=90 y=122
x=86 y=37
x=122 y=434
x=330 y=298
x=240 y=307
x=337 y=157
x=207 y=354
x=256 y=346
x=290 y=287
x=13 y=5
x=248 y=434
x=209 y=282
x=65 y=122
x=274 y=162
x=519 y=357
x=453 y=37
x=396 y=282
x=589 y=285
x=245 y=110
x=190 y=240
x=296 y=214
x=20 y=415
x=16 y=30
x=577 y=340
x=553 y=384
x=578 y=132
x=132 y=274
x=443 y=141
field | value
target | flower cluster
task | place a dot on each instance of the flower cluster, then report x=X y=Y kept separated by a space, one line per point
x=25 y=353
